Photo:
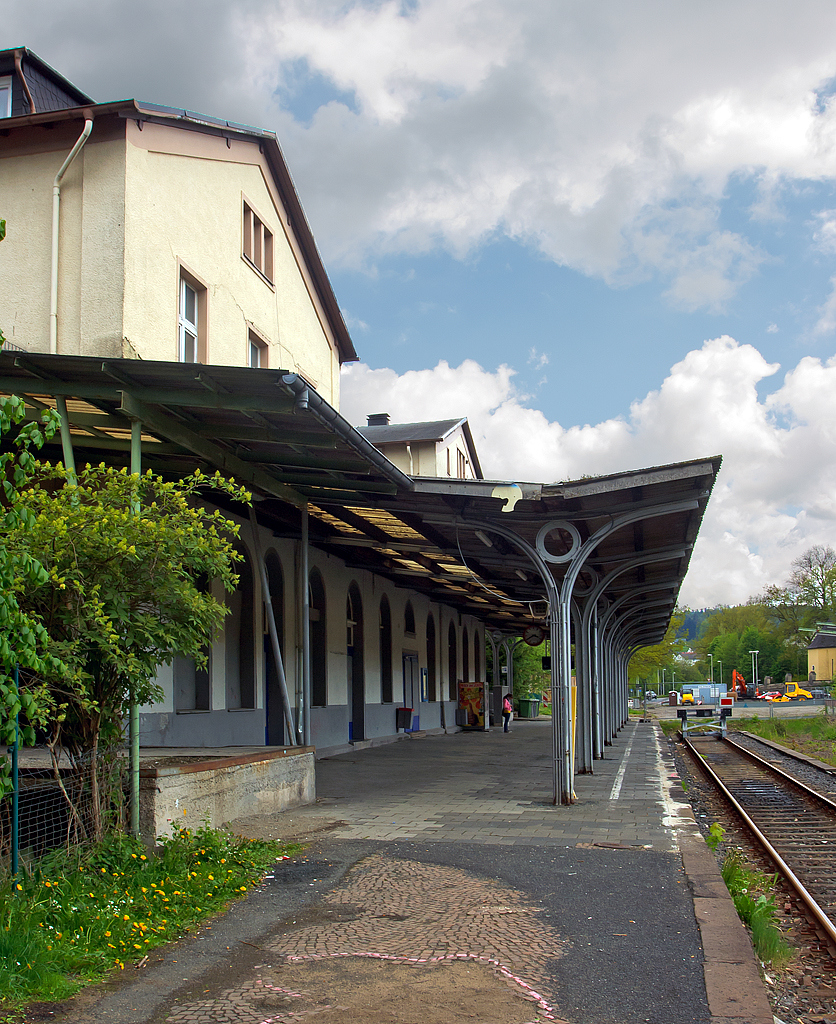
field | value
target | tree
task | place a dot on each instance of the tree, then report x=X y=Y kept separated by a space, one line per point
x=813 y=578
x=647 y=661
x=24 y=643
x=121 y=590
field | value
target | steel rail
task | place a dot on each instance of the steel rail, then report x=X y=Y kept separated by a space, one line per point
x=821 y=922
x=777 y=770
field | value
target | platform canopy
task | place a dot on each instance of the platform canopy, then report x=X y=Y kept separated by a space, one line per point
x=445 y=537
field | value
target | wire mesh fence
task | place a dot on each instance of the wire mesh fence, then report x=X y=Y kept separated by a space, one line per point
x=62 y=802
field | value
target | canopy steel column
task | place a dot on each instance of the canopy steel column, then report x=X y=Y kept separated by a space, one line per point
x=583 y=709
x=272 y=630
x=561 y=750
x=610 y=629
x=590 y=609
x=560 y=624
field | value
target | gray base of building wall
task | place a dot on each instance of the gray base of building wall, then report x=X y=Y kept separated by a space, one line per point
x=329 y=725
x=224 y=788
x=202 y=729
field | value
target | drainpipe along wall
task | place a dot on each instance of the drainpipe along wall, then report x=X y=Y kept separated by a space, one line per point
x=56 y=223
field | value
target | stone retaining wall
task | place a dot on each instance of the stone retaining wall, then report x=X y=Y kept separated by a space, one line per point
x=221 y=789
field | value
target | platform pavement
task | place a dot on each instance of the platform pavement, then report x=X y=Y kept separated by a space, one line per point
x=496 y=788
x=443 y=847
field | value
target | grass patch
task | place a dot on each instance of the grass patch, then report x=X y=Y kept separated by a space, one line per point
x=670 y=725
x=72 y=919
x=754 y=900
x=815 y=736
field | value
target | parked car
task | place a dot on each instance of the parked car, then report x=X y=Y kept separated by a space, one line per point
x=819 y=694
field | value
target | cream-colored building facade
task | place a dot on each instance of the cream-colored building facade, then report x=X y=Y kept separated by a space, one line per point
x=821 y=656
x=181 y=239
x=171 y=228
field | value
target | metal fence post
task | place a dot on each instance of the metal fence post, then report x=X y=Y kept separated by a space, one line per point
x=15 y=782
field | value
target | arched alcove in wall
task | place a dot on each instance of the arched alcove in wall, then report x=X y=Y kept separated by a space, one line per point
x=431 y=659
x=452 y=664
x=318 y=640
x=192 y=682
x=386 y=687
x=356 y=667
x=274 y=707
x=239 y=638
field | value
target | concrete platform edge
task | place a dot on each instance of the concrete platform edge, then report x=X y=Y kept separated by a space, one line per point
x=736 y=992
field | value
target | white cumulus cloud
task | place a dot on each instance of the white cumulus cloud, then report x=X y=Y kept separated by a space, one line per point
x=776 y=494
x=605 y=135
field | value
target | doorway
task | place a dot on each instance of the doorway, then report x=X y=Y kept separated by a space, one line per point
x=355 y=668
x=411 y=681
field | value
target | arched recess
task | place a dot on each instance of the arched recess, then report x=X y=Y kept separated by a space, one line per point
x=409 y=619
x=466 y=677
x=356 y=668
x=274 y=708
x=318 y=640
x=239 y=638
x=431 y=659
x=452 y=664
x=192 y=683
x=386 y=689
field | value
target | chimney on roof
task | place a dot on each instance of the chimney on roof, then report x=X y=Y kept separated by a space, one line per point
x=378 y=419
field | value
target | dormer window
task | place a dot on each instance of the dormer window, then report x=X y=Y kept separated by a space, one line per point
x=5 y=95
x=258 y=244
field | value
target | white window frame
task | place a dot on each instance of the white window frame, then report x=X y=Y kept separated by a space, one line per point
x=188 y=328
x=256 y=345
x=257 y=243
x=5 y=95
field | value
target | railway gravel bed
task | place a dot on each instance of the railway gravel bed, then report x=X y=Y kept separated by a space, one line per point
x=804 y=992
x=822 y=781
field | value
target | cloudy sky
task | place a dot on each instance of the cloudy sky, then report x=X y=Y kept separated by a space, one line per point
x=606 y=232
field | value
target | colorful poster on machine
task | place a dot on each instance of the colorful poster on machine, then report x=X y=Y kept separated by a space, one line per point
x=472 y=700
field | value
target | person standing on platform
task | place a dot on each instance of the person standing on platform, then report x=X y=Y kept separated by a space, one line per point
x=507 y=709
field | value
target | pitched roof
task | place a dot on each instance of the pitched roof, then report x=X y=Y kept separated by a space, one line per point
x=407 y=433
x=822 y=640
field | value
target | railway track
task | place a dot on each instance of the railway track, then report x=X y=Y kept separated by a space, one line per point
x=795 y=825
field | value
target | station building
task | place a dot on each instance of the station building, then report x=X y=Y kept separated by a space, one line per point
x=161 y=287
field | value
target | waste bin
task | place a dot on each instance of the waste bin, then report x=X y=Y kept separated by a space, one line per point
x=529 y=707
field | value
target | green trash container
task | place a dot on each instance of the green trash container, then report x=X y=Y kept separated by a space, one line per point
x=529 y=707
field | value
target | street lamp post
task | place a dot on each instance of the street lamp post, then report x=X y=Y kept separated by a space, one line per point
x=755 y=669
x=711 y=670
x=664 y=670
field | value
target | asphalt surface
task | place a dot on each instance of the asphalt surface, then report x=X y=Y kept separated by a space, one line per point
x=605 y=877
